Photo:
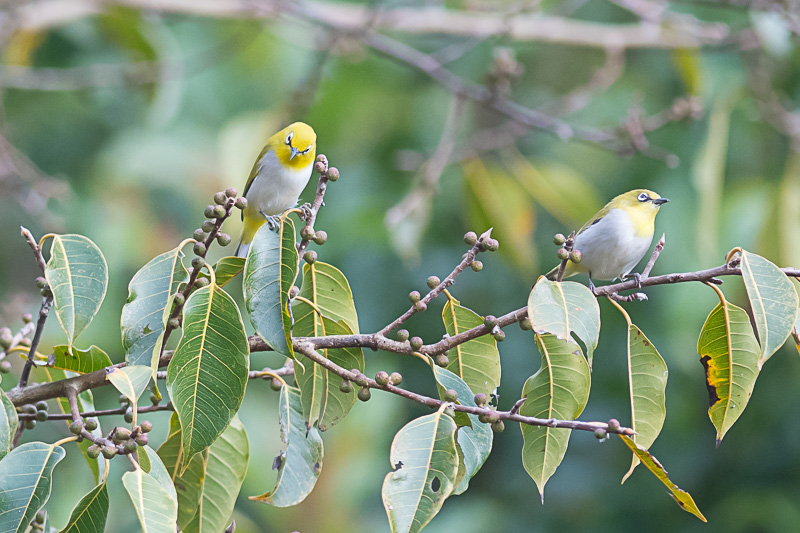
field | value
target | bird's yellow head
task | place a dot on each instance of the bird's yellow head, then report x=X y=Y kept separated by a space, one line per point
x=295 y=145
x=638 y=199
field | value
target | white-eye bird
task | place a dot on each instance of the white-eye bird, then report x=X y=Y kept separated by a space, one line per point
x=279 y=175
x=615 y=239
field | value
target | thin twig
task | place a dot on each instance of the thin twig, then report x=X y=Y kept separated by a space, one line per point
x=653 y=258
x=322 y=186
x=44 y=311
x=104 y=412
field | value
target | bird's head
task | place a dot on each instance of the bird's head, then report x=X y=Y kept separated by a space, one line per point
x=296 y=145
x=638 y=200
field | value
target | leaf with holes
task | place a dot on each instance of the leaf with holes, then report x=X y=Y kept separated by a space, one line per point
x=647 y=384
x=475 y=438
x=149 y=303
x=269 y=273
x=9 y=422
x=681 y=497
x=300 y=463
x=156 y=509
x=424 y=459
x=729 y=353
x=477 y=361
x=773 y=301
x=560 y=389
x=78 y=276
x=25 y=483
x=565 y=308
x=90 y=515
x=207 y=375
x=80 y=361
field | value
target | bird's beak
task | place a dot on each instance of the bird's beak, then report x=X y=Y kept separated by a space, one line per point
x=295 y=151
x=659 y=201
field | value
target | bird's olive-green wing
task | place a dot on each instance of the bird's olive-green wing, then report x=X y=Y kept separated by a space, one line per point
x=254 y=171
x=594 y=220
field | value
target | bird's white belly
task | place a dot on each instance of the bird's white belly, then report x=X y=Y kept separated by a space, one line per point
x=276 y=188
x=610 y=247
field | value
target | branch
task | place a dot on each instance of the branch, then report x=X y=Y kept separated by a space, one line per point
x=325 y=174
x=44 y=311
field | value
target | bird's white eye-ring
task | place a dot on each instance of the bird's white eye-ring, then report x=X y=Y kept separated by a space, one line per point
x=289 y=138
x=304 y=152
x=643 y=197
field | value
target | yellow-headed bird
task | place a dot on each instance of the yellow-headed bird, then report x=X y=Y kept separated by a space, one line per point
x=279 y=175
x=615 y=239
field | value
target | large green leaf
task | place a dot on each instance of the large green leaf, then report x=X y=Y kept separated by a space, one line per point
x=681 y=497
x=424 y=459
x=188 y=484
x=564 y=308
x=475 y=439
x=152 y=464
x=300 y=463
x=228 y=268
x=647 y=383
x=328 y=289
x=560 y=389
x=207 y=375
x=9 y=422
x=477 y=361
x=323 y=403
x=90 y=515
x=225 y=464
x=78 y=276
x=80 y=361
x=269 y=273
x=131 y=381
x=729 y=352
x=25 y=483
x=773 y=301
x=156 y=508
x=149 y=302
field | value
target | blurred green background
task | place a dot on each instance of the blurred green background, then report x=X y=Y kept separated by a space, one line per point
x=121 y=124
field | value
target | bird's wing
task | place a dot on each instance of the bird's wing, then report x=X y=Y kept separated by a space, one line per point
x=255 y=171
x=592 y=221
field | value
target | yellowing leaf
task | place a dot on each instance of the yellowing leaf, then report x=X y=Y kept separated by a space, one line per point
x=477 y=362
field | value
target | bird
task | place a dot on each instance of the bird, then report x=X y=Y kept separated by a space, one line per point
x=280 y=173
x=616 y=238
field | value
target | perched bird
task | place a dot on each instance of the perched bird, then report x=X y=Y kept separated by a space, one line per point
x=279 y=175
x=614 y=240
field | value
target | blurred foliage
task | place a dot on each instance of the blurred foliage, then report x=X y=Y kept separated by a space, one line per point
x=184 y=103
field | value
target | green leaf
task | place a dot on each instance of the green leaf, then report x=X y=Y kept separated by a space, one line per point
x=188 y=484
x=647 y=383
x=475 y=439
x=78 y=276
x=156 y=508
x=477 y=361
x=681 y=497
x=796 y=333
x=300 y=463
x=80 y=361
x=560 y=389
x=564 y=308
x=131 y=380
x=228 y=268
x=323 y=403
x=90 y=515
x=328 y=289
x=773 y=301
x=25 y=483
x=225 y=464
x=156 y=468
x=269 y=273
x=425 y=462
x=207 y=375
x=729 y=352
x=8 y=424
x=149 y=302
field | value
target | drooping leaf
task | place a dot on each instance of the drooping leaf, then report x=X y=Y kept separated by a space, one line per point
x=729 y=352
x=647 y=383
x=228 y=268
x=131 y=380
x=681 y=497
x=300 y=463
x=560 y=389
x=156 y=468
x=25 y=483
x=9 y=422
x=80 y=361
x=90 y=515
x=156 y=509
x=773 y=301
x=269 y=273
x=564 y=308
x=145 y=313
x=327 y=288
x=188 y=485
x=424 y=460
x=78 y=276
x=475 y=439
x=477 y=361
x=207 y=375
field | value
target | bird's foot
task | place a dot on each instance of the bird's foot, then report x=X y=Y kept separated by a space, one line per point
x=273 y=221
x=638 y=279
x=306 y=212
x=592 y=287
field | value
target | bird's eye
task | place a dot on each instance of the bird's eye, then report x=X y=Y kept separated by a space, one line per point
x=307 y=149
x=643 y=197
x=289 y=138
